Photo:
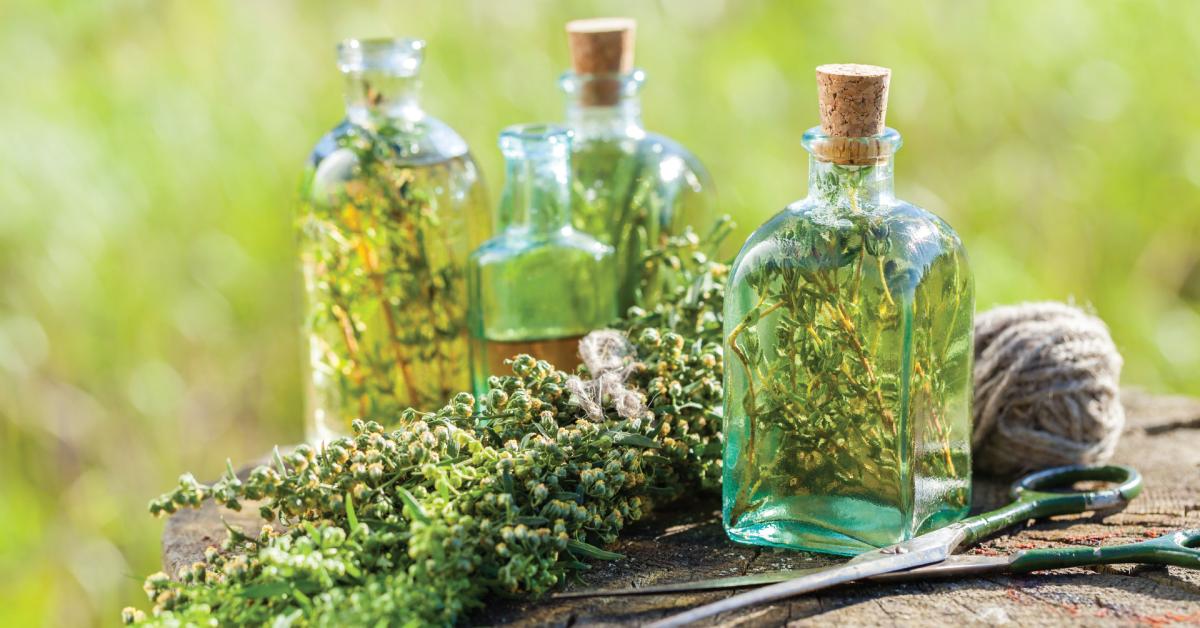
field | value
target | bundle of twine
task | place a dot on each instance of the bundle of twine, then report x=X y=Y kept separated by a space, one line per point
x=1046 y=389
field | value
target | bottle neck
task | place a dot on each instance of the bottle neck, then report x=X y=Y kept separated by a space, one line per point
x=376 y=99
x=604 y=105
x=851 y=173
x=382 y=80
x=622 y=119
x=854 y=187
x=537 y=191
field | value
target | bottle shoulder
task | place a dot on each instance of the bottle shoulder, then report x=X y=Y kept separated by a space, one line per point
x=423 y=141
x=667 y=157
x=807 y=230
x=561 y=248
x=434 y=152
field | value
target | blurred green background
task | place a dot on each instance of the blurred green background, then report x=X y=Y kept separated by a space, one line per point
x=148 y=304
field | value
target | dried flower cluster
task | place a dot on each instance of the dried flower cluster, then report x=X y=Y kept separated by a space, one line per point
x=418 y=523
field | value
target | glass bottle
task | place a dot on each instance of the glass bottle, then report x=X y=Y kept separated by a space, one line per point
x=633 y=189
x=392 y=204
x=848 y=348
x=540 y=284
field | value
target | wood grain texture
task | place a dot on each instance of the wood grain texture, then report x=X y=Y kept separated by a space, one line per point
x=685 y=542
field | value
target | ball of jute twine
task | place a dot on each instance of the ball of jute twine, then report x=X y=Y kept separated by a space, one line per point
x=1046 y=389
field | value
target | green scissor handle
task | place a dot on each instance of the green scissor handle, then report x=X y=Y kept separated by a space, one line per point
x=1033 y=500
x=1173 y=548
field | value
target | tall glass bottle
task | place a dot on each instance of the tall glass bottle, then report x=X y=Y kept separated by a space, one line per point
x=392 y=204
x=848 y=325
x=632 y=188
x=540 y=284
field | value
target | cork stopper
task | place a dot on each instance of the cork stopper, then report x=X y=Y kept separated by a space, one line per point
x=601 y=47
x=853 y=103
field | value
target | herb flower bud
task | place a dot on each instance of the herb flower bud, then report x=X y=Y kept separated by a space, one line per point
x=523 y=365
x=130 y=615
x=497 y=398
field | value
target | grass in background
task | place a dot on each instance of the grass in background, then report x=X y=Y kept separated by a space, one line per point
x=148 y=294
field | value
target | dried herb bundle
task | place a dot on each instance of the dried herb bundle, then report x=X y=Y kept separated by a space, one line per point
x=624 y=198
x=419 y=524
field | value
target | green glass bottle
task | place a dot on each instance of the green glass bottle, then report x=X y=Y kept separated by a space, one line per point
x=540 y=284
x=632 y=188
x=848 y=347
x=392 y=203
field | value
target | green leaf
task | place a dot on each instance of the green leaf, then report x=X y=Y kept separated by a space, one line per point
x=302 y=599
x=587 y=550
x=634 y=440
x=286 y=621
x=350 y=515
x=279 y=462
x=411 y=502
x=261 y=590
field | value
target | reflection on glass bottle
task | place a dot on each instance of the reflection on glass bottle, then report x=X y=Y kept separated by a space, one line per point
x=392 y=204
x=633 y=189
x=540 y=284
x=848 y=324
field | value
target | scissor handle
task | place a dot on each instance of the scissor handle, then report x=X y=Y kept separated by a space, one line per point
x=1033 y=488
x=1033 y=500
x=1173 y=548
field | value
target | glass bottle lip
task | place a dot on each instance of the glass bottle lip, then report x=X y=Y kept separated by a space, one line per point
x=883 y=145
x=398 y=56
x=522 y=140
x=630 y=82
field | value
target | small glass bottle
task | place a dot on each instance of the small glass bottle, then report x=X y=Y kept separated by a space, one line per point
x=633 y=189
x=540 y=284
x=848 y=348
x=392 y=204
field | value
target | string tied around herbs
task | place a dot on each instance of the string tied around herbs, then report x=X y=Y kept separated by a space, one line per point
x=610 y=359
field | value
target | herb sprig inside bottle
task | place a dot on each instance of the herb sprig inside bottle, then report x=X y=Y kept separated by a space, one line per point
x=632 y=189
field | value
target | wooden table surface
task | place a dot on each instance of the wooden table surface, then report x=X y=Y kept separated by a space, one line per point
x=685 y=542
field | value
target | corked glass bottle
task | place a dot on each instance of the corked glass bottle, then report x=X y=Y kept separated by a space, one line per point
x=847 y=350
x=632 y=188
x=392 y=204
x=540 y=284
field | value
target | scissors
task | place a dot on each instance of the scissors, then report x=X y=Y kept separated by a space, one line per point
x=1174 y=548
x=929 y=555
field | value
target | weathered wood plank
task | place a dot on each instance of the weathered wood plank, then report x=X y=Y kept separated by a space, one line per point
x=1162 y=439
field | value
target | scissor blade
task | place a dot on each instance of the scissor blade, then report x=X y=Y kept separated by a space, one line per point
x=954 y=566
x=712 y=584
x=923 y=550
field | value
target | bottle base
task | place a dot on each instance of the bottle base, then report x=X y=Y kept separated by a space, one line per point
x=830 y=525
x=797 y=536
